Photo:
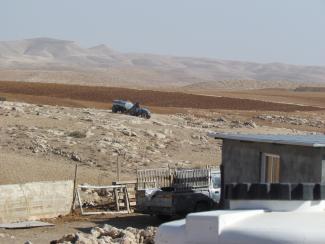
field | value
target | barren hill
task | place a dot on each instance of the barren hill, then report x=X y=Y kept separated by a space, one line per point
x=52 y=60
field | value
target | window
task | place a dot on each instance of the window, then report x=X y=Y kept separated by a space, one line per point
x=270 y=168
x=216 y=180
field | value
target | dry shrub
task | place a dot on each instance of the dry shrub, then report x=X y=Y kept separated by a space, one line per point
x=77 y=134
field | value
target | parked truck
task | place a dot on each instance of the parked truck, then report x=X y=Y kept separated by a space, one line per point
x=169 y=192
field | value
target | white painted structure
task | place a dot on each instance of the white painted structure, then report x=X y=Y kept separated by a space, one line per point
x=32 y=201
x=276 y=222
x=278 y=205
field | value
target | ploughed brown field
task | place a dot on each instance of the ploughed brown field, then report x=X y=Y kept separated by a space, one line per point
x=160 y=101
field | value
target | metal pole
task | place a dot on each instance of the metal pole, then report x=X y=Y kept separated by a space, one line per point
x=74 y=186
x=118 y=170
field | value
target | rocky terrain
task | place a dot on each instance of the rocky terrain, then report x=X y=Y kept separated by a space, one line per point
x=111 y=235
x=315 y=122
x=42 y=142
x=52 y=60
x=50 y=140
x=97 y=138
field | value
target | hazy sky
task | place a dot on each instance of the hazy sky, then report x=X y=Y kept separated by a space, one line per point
x=290 y=31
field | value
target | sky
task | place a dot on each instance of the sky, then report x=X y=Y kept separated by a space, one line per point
x=286 y=31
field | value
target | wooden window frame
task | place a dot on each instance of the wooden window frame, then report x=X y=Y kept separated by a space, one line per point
x=263 y=170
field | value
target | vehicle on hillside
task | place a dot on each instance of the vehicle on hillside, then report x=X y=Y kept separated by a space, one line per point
x=170 y=192
x=127 y=107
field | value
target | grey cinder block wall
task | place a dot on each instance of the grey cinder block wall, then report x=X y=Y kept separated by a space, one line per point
x=242 y=161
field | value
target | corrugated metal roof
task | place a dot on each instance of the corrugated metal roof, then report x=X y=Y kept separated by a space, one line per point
x=301 y=140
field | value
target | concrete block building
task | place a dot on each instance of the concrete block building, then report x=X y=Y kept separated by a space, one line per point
x=272 y=158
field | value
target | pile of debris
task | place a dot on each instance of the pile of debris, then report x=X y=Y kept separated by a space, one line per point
x=111 y=235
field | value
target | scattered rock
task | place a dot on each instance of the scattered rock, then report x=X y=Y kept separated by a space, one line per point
x=128 y=132
x=312 y=121
x=250 y=124
x=220 y=119
x=75 y=157
x=82 y=238
x=112 y=231
x=160 y=136
x=159 y=123
x=68 y=238
x=149 y=133
x=111 y=234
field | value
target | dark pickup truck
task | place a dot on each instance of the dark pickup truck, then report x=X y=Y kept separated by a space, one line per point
x=126 y=107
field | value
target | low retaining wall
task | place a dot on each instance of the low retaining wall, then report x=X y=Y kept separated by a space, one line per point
x=35 y=200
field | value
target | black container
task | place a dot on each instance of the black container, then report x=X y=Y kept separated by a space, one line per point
x=302 y=191
x=319 y=192
x=259 y=191
x=241 y=191
x=280 y=191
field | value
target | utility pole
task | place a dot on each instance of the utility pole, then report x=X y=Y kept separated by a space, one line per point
x=118 y=168
x=74 y=186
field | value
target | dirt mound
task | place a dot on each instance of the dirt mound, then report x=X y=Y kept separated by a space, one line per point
x=48 y=91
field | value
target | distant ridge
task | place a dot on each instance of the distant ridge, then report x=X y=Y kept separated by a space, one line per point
x=53 y=60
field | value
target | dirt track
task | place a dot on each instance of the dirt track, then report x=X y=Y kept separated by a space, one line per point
x=75 y=95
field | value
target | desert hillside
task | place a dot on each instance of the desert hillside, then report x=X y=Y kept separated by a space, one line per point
x=52 y=60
